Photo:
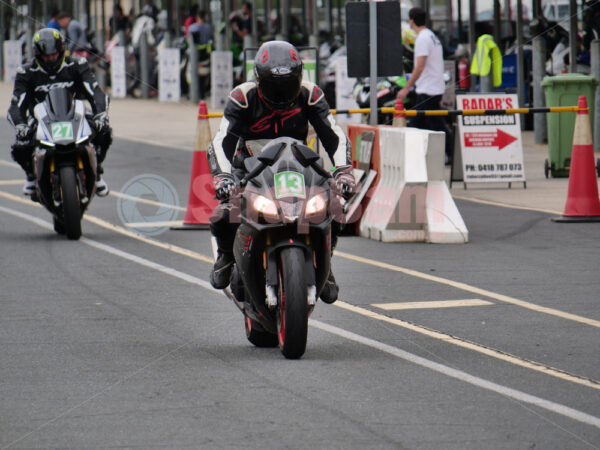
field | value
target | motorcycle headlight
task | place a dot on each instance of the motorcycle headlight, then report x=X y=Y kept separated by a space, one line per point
x=265 y=206
x=316 y=205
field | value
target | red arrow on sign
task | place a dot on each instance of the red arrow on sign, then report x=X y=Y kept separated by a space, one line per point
x=496 y=138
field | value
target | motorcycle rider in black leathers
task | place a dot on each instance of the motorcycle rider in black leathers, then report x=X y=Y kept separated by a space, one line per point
x=278 y=103
x=51 y=68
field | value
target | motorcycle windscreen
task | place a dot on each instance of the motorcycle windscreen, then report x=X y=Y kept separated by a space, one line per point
x=60 y=105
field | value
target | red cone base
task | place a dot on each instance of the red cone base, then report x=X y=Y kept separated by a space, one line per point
x=201 y=201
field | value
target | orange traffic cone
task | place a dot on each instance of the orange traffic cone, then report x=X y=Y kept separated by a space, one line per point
x=399 y=114
x=583 y=204
x=201 y=201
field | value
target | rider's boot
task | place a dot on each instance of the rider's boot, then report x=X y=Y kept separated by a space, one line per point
x=330 y=291
x=29 y=186
x=221 y=271
x=102 y=189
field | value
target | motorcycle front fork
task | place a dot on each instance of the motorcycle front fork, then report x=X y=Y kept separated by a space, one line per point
x=56 y=194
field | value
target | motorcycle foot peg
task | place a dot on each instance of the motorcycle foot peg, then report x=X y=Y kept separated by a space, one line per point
x=312 y=295
x=271 y=299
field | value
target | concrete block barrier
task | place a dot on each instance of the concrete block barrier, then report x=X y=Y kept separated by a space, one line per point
x=411 y=202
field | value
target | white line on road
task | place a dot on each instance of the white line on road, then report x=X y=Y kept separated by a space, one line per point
x=463 y=376
x=432 y=304
x=520 y=396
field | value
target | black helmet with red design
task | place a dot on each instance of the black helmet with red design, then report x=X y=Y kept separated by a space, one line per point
x=278 y=71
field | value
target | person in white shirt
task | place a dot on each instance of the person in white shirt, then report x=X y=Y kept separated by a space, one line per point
x=427 y=77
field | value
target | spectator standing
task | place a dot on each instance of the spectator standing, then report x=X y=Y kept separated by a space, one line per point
x=145 y=23
x=201 y=29
x=53 y=23
x=201 y=33
x=76 y=39
x=241 y=23
x=427 y=77
x=118 y=22
x=191 y=19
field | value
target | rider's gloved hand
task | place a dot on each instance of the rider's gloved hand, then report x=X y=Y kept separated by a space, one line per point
x=344 y=183
x=101 y=122
x=23 y=132
x=224 y=184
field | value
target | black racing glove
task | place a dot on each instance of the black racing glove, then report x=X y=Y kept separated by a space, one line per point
x=100 y=122
x=23 y=132
x=224 y=184
x=344 y=183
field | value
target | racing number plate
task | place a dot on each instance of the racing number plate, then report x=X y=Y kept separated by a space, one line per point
x=289 y=184
x=62 y=130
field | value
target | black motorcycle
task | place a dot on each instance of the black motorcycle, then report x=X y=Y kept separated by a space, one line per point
x=64 y=160
x=387 y=91
x=282 y=247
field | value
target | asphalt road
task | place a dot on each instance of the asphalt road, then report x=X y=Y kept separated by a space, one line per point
x=118 y=341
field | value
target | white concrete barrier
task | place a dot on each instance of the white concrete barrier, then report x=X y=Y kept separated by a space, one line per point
x=412 y=202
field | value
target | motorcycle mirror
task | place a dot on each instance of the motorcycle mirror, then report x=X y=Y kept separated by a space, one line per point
x=270 y=154
x=257 y=169
x=304 y=155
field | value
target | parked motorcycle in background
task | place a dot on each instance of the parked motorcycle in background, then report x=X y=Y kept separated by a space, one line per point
x=387 y=91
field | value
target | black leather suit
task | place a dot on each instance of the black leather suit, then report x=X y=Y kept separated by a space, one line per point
x=248 y=117
x=32 y=84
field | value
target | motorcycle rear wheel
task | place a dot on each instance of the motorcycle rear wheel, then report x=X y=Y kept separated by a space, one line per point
x=292 y=308
x=258 y=336
x=70 y=202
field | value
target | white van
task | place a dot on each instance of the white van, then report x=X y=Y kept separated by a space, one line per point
x=558 y=10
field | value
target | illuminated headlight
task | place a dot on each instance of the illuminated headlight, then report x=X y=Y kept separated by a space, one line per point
x=315 y=205
x=265 y=206
x=47 y=144
x=81 y=140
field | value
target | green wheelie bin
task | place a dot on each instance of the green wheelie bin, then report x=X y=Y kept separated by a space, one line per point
x=564 y=90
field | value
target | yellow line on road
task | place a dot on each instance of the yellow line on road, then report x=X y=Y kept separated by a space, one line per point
x=506 y=205
x=9 y=164
x=154 y=224
x=125 y=232
x=432 y=304
x=472 y=289
x=362 y=311
x=173 y=248
x=507 y=357
x=11 y=182
x=146 y=201
x=410 y=272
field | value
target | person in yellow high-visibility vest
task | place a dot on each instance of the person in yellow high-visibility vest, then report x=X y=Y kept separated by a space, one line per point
x=487 y=57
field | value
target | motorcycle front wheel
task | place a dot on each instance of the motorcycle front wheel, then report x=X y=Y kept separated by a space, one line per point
x=70 y=202
x=292 y=308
